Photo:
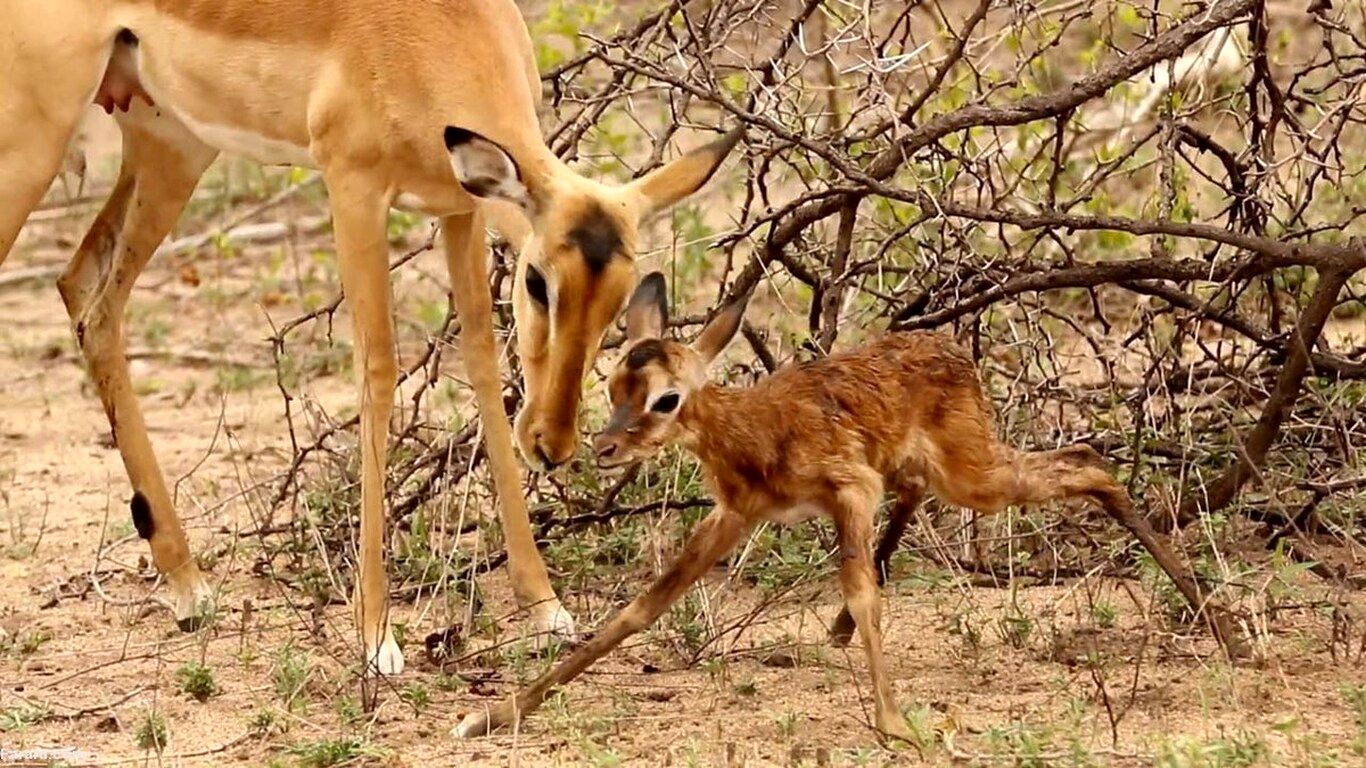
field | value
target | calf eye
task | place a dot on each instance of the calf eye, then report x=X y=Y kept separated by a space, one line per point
x=666 y=404
x=535 y=286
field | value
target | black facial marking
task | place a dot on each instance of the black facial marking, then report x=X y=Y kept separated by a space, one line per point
x=126 y=37
x=142 y=515
x=597 y=238
x=666 y=404
x=456 y=136
x=535 y=286
x=641 y=354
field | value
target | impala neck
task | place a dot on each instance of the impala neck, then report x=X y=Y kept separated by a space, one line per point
x=715 y=426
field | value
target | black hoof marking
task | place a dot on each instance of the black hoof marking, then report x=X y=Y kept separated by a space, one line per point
x=142 y=515
x=192 y=624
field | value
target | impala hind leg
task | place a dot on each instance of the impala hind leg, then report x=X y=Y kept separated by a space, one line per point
x=716 y=535
x=466 y=260
x=160 y=168
x=359 y=212
x=863 y=600
x=908 y=497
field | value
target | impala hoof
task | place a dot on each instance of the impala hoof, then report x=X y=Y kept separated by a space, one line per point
x=551 y=618
x=194 y=604
x=387 y=660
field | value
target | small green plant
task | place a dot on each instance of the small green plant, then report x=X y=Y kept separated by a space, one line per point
x=921 y=722
x=718 y=672
x=787 y=724
x=349 y=710
x=1355 y=696
x=265 y=722
x=236 y=379
x=151 y=734
x=416 y=696
x=690 y=621
x=1020 y=744
x=1240 y=750
x=745 y=688
x=292 y=669
x=330 y=752
x=1015 y=629
x=962 y=625
x=1104 y=613
x=28 y=643
x=449 y=683
x=18 y=718
x=196 y=681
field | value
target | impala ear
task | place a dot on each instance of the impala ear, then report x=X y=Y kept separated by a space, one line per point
x=664 y=186
x=721 y=329
x=648 y=310
x=485 y=169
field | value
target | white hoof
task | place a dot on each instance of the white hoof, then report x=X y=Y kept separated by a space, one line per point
x=387 y=660
x=194 y=603
x=551 y=618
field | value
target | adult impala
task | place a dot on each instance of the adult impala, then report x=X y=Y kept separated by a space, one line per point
x=428 y=104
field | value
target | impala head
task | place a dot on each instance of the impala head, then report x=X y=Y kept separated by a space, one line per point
x=655 y=377
x=575 y=273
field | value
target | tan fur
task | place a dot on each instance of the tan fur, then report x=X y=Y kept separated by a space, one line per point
x=905 y=412
x=369 y=92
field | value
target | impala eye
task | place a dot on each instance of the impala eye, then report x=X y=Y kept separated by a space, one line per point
x=535 y=286
x=666 y=404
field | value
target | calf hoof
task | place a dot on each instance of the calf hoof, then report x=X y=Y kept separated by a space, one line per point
x=192 y=624
x=472 y=726
x=842 y=630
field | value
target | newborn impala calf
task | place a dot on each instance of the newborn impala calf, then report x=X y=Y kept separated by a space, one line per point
x=904 y=413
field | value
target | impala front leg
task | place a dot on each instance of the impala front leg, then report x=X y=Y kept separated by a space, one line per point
x=466 y=260
x=359 y=212
x=713 y=538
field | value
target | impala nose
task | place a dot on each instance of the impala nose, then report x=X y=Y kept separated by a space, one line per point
x=605 y=447
x=544 y=459
x=547 y=454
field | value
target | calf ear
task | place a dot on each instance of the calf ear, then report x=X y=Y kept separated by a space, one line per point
x=485 y=169
x=721 y=329
x=648 y=309
x=664 y=186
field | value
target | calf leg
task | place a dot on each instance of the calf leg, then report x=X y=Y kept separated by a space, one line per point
x=1079 y=472
x=908 y=498
x=863 y=600
x=714 y=537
